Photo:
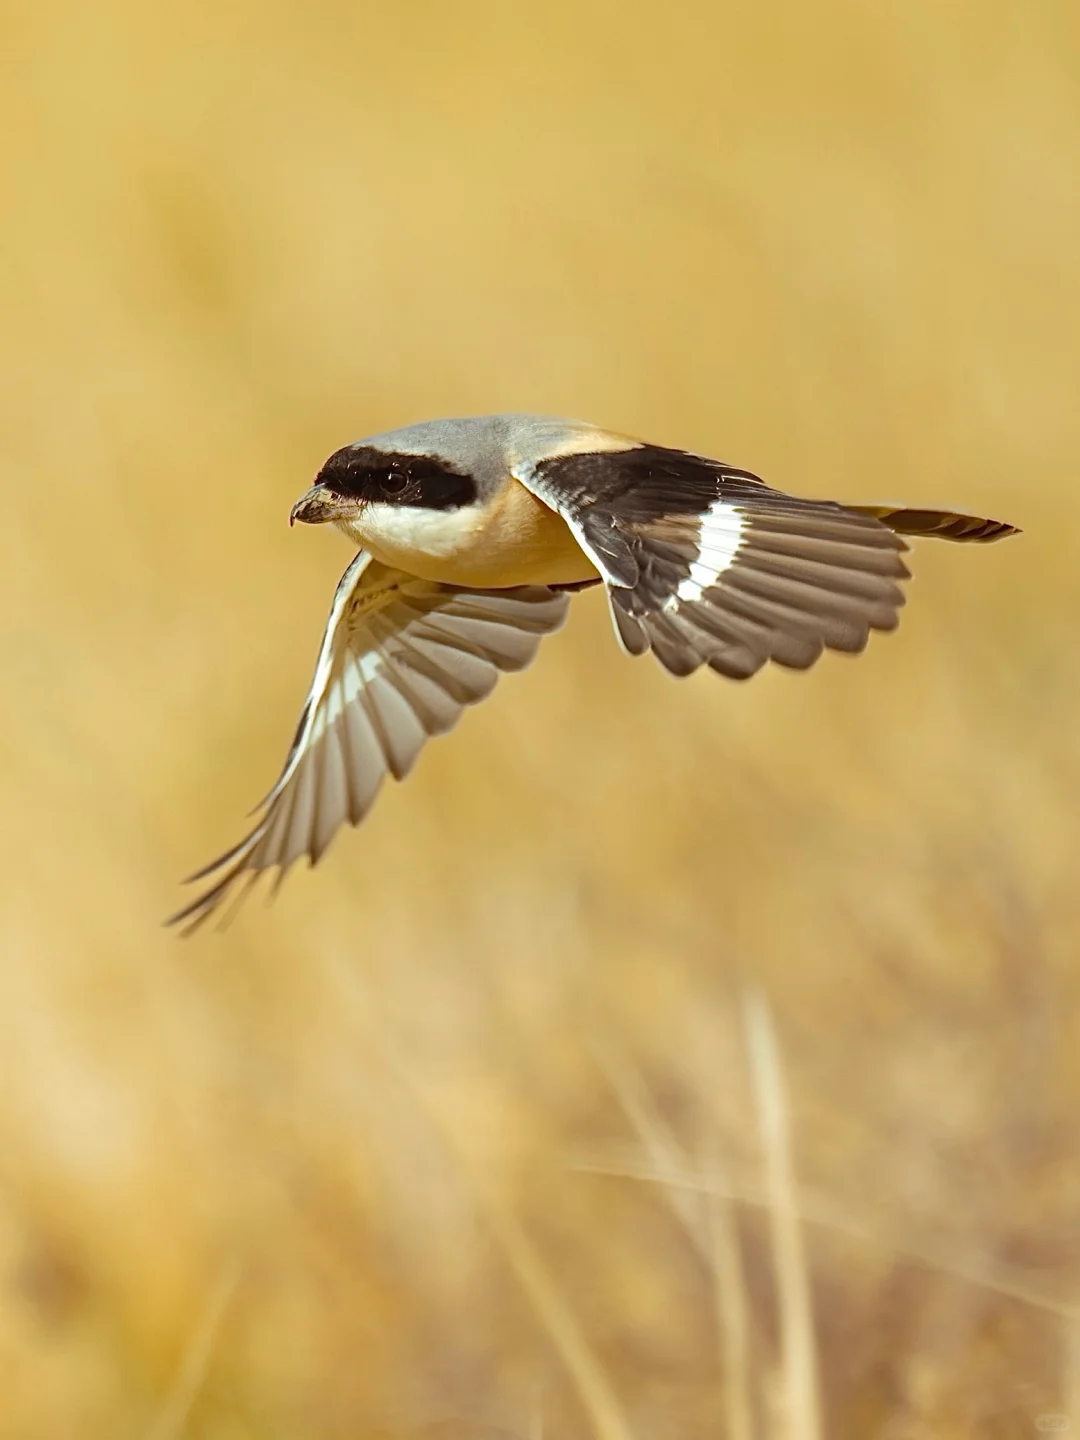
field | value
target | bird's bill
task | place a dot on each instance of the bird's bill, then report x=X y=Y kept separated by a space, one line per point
x=319 y=506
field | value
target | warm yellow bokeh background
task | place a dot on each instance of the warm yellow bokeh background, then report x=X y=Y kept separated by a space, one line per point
x=444 y=1144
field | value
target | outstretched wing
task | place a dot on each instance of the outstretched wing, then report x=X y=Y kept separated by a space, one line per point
x=400 y=660
x=707 y=565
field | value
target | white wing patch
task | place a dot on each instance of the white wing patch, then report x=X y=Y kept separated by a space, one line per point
x=400 y=660
x=722 y=530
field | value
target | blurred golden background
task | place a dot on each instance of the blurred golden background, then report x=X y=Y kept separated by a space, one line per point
x=665 y=1059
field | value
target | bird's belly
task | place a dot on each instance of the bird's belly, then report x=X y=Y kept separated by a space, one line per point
x=517 y=540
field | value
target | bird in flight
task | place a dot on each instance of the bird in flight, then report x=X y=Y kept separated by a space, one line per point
x=473 y=535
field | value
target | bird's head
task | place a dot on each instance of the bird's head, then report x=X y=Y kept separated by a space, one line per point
x=362 y=475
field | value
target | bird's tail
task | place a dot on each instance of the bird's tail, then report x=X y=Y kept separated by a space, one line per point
x=938 y=524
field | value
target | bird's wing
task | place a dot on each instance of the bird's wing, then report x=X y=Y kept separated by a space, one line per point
x=400 y=660
x=707 y=565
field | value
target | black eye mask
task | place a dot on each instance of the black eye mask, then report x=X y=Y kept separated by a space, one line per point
x=420 y=480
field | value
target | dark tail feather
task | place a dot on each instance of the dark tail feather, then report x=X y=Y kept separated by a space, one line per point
x=938 y=524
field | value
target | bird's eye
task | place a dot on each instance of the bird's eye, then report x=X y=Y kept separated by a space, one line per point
x=394 y=482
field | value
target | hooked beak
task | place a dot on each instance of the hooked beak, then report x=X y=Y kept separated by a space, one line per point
x=320 y=505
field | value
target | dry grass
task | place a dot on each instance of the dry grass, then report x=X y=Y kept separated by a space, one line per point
x=468 y=1136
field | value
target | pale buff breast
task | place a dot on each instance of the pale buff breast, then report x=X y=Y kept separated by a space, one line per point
x=515 y=540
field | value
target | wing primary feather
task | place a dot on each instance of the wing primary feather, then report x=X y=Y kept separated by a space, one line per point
x=400 y=731
x=193 y=916
x=231 y=899
x=298 y=834
x=329 y=806
x=366 y=759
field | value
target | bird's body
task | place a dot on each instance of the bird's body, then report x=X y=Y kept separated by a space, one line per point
x=472 y=531
x=515 y=540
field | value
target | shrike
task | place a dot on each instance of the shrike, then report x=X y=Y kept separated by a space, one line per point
x=473 y=534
